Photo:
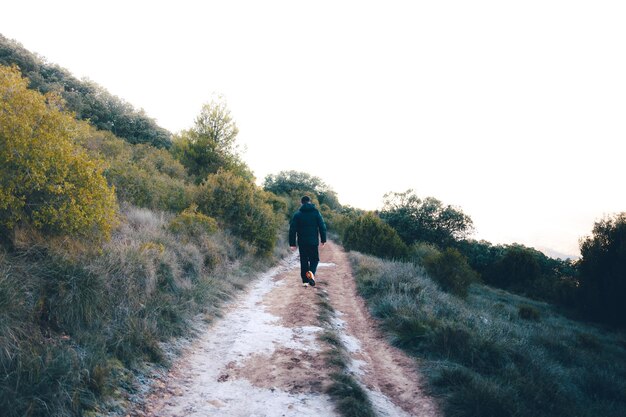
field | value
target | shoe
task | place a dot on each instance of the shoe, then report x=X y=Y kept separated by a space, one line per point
x=311 y=278
x=305 y=284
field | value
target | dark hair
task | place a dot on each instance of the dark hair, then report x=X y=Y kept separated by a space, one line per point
x=305 y=199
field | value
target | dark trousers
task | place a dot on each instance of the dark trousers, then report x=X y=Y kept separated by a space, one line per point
x=309 y=258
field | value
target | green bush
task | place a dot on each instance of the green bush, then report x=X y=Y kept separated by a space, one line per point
x=451 y=271
x=143 y=176
x=420 y=251
x=242 y=207
x=369 y=234
x=337 y=221
x=47 y=182
x=191 y=223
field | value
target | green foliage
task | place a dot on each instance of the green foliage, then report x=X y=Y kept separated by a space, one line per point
x=191 y=223
x=242 y=207
x=86 y=99
x=210 y=145
x=603 y=271
x=522 y=269
x=516 y=269
x=481 y=255
x=482 y=359
x=46 y=181
x=451 y=270
x=369 y=234
x=142 y=174
x=420 y=251
x=427 y=220
x=288 y=182
x=337 y=221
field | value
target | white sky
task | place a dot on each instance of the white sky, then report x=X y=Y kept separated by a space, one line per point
x=513 y=111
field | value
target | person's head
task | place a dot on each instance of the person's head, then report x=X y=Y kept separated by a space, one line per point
x=305 y=199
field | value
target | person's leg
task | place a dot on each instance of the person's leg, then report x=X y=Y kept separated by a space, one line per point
x=304 y=263
x=314 y=259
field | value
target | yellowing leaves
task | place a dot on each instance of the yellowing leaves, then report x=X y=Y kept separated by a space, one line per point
x=46 y=180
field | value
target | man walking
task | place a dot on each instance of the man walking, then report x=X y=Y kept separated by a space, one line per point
x=309 y=227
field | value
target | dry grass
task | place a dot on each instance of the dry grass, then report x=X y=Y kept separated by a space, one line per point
x=495 y=353
x=73 y=323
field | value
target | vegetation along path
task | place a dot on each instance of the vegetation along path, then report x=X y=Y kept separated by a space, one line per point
x=268 y=356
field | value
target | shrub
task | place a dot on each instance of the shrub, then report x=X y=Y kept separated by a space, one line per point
x=420 y=251
x=451 y=271
x=241 y=207
x=46 y=181
x=143 y=176
x=192 y=223
x=369 y=234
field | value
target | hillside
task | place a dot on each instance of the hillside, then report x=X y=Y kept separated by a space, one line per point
x=86 y=99
x=109 y=247
x=494 y=353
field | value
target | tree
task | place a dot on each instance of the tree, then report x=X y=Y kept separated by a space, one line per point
x=286 y=182
x=603 y=271
x=210 y=145
x=46 y=181
x=425 y=220
x=518 y=269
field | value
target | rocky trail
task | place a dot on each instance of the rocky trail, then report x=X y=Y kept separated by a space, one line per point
x=263 y=357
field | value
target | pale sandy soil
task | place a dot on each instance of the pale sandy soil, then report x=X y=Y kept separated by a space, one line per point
x=263 y=357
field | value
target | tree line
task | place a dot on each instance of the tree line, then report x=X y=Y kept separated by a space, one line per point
x=437 y=237
x=173 y=172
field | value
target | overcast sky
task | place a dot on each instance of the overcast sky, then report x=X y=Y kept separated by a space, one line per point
x=513 y=111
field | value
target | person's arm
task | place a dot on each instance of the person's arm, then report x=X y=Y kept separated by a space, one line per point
x=292 y=233
x=322 y=228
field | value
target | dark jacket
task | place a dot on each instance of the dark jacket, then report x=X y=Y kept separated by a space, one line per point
x=308 y=225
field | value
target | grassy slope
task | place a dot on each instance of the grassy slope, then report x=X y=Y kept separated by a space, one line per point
x=72 y=326
x=483 y=359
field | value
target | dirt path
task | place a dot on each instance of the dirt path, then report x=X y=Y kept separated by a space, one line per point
x=263 y=358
